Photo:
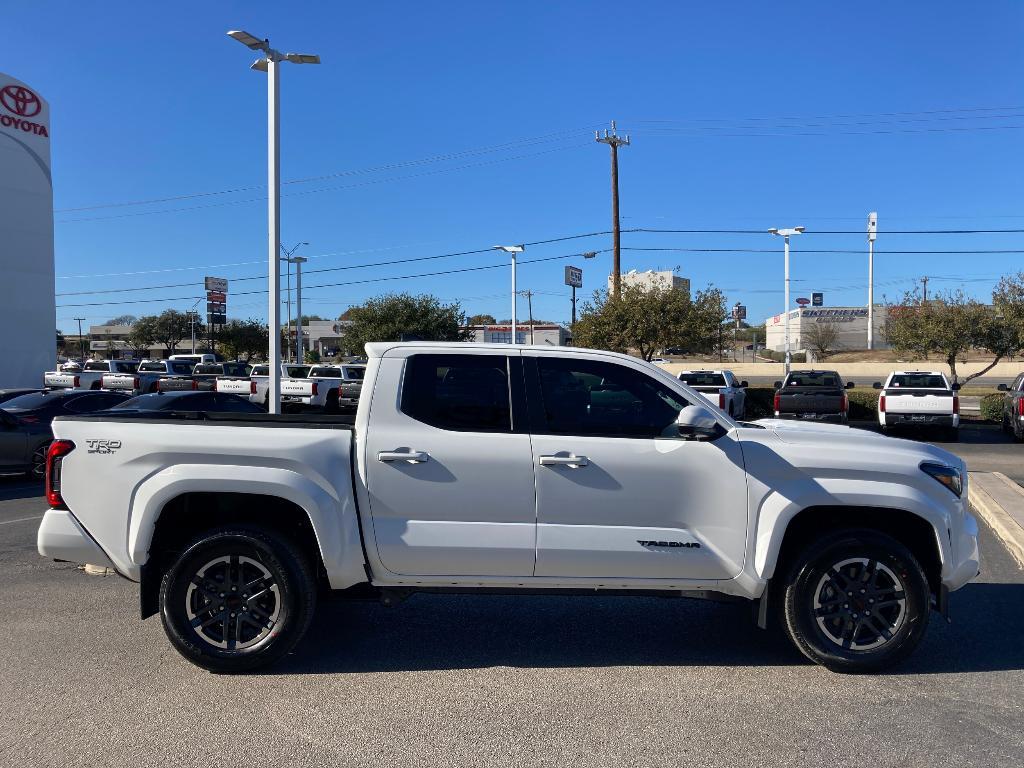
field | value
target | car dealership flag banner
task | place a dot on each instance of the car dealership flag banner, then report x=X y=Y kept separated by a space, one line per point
x=27 y=311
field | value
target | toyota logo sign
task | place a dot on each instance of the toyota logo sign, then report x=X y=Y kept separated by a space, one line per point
x=20 y=100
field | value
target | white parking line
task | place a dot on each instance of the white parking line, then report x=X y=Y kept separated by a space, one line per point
x=21 y=519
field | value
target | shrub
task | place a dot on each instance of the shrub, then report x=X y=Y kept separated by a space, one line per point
x=992 y=407
x=863 y=404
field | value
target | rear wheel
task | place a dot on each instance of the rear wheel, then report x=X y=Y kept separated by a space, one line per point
x=1007 y=425
x=37 y=462
x=237 y=599
x=331 y=404
x=855 y=601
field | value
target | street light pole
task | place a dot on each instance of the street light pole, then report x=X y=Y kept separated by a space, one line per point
x=81 y=341
x=513 y=250
x=300 y=345
x=872 y=233
x=785 y=234
x=269 y=63
x=287 y=258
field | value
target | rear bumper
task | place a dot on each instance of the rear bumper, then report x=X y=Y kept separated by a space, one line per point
x=62 y=537
x=889 y=419
x=828 y=418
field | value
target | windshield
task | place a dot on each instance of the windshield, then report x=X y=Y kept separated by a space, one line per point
x=153 y=402
x=354 y=371
x=97 y=366
x=813 y=379
x=29 y=402
x=703 y=379
x=208 y=368
x=152 y=367
x=918 y=381
x=261 y=370
x=325 y=373
x=294 y=371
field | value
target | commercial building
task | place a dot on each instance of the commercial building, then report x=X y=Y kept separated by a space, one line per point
x=653 y=279
x=851 y=324
x=28 y=345
x=550 y=334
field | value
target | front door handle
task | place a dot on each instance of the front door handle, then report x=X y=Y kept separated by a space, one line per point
x=574 y=462
x=413 y=457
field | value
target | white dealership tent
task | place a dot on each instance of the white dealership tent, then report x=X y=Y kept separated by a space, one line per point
x=27 y=302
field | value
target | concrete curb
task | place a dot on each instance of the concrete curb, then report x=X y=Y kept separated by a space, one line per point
x=999 y=519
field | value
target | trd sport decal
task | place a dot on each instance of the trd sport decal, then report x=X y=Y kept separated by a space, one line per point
x=103 y=446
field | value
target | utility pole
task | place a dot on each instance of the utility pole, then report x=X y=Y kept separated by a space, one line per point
x=872 y=234
x=529 y=305
x=613 y=140
x=81 y=341
x=924 y=281
x=300 y=356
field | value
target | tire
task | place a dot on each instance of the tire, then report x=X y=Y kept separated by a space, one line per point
x=1007 y=425
x=37 y=462
x=331 y=403
x=951 y=434
x=814 y=584
x=190 y=589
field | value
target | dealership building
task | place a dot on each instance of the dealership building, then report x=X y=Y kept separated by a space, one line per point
x=28 y=346
x=851 y=324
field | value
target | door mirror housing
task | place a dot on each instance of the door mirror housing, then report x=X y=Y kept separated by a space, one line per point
x=849 y=385
x=695 y=422
x=1003 y=388
x=744 y=384
x=777 y=385
x=956 y=387
x=877 y=385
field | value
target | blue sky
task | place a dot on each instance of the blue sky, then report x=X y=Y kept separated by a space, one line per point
x=444 y=127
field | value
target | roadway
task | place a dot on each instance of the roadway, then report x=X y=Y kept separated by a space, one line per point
x=498 y=681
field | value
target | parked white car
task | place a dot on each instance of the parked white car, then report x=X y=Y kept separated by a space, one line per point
x=90 y=376
x=500 y=468
x=721 y=388
x=257 y=384
x=328 y=387
x=919 y=399
x=145 y=379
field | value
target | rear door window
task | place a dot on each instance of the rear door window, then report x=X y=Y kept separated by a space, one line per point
x=468 y=393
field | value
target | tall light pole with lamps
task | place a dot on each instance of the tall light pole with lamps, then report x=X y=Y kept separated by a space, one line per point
x=872 y=234
x=287 y=259
x=269 y=64
x=512 y=249
x=785 y=235
x=300 y=345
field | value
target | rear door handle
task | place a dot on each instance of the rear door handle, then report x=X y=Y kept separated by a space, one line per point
x=574 y=462
x=413 y=457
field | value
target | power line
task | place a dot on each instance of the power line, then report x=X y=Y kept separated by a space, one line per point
x=828 y=231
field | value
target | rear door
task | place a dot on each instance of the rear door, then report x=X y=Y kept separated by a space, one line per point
x=448 y=467
x=619 y=493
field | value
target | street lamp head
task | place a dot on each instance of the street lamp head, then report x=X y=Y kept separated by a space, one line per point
x=260 y=65
x=249 y=41
x=509 y=248
x=786 y=232
x=773 y=231
x=302 y=58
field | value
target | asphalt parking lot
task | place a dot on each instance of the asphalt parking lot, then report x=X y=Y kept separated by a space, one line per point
x=498 y=680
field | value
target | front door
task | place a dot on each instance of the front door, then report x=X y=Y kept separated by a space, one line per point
x=620 y=495
x=448 y=465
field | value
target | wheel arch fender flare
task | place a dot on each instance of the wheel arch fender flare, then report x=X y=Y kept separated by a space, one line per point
x=333 y=519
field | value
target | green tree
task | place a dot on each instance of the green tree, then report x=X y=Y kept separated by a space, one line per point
x=481 y=320
x=170 y=327
x=142 y=335
x=244 y=338
x=396 y=315
x=61 y=342
x=950 y=324
x=648 y=319
x=822 y=338
x=122 y=320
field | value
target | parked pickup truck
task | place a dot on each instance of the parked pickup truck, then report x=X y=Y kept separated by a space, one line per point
x=721 y=388
x=203 y=378
x=257 y=384
x=90 y=376
x=812 y=396
x=329 y=387
x=919 y=399
x=146 y=378
x=1013 y=408
x=499 y=468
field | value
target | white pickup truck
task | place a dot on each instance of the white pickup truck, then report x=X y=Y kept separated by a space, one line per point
x=145 y=379
x=332 y=388
x=90 y=376
x=493 y=468
x=720 y=388
x=256 y=385
x=919 y=399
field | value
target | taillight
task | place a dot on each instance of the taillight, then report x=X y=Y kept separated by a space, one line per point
x=721 y=400
x=54 y=458
x=776 y=402
x=216 y=385
x=1020 y=407
x=845 y=405
x=252 y=387
x=78 y=380
x=136 y=384
x=195 y=384
x=956 y=404
x=315 y=389
x=881 y=403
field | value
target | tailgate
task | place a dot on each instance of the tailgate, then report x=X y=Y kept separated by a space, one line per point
x=918 y=401
x=61 y=380
x=297 y=387
x=828 y=401
x=711 y=394
x=234 y=386
x=175 y=384
x=118 y=382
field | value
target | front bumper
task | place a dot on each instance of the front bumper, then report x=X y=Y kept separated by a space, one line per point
x=964 y=545
x=62 y=537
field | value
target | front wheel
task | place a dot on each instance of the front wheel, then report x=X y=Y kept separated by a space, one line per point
x=237 y=599
x=856 y=601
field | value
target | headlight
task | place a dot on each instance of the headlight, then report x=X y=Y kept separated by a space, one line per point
x=948 y=476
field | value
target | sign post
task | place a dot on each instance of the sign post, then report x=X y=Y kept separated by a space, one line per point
x=574 y=278
x=216 y=302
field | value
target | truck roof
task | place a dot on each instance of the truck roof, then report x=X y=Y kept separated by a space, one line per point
x=917 y=373
x=378 y=348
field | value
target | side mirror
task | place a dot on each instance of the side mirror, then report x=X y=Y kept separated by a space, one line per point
x=849 y=385
x=695 y=422
x=1003 y=388
x=877 y=385
x=956 y=387
x=777 y=385
x=744 y=384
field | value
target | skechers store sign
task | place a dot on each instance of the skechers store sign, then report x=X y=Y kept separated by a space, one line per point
x=834 y=315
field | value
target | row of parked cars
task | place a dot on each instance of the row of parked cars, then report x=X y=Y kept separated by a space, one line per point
x=906 y=398
x=182 y=383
